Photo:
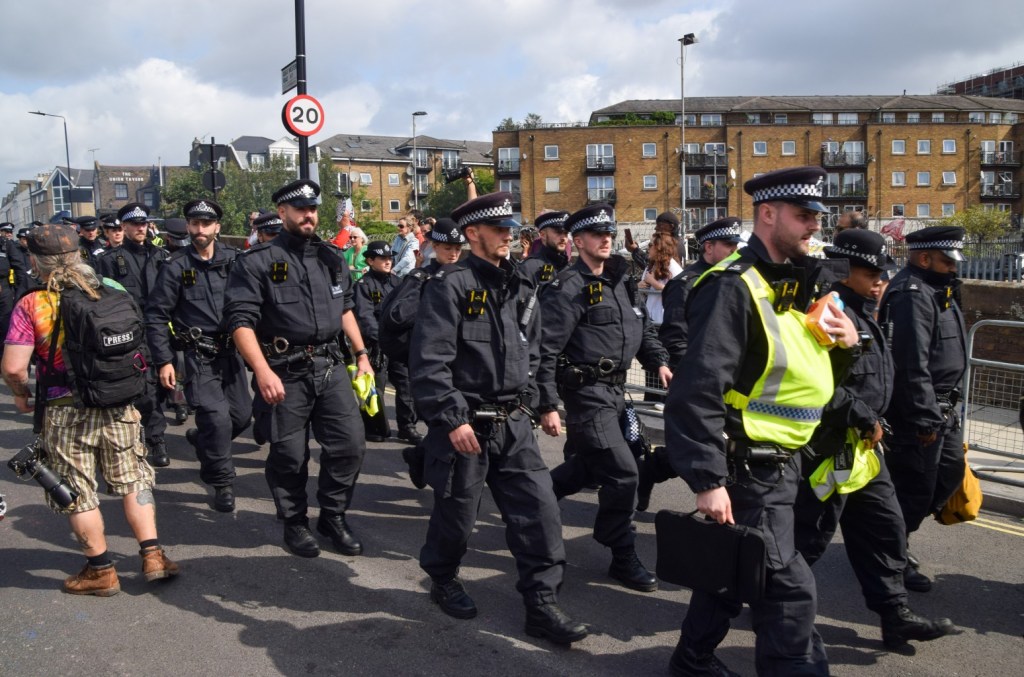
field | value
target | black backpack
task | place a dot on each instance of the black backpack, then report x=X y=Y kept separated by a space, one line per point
x=104 y=347
x=398 y=316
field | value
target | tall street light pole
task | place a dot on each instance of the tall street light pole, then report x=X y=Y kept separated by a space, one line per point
x=67 y=153
x=415 y=162
x=687 y=39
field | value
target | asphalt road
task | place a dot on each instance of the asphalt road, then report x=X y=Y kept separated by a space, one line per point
x=244 y=606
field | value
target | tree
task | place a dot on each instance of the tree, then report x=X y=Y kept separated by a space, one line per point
x=181 y=187
x=981 y=224
x=507 y=125
x=532 y=120
x=443 y=198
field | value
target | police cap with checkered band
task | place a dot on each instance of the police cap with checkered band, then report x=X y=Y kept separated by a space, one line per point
x=204 y=209
x=801 y=186
x=377 y=249
x=597 y=218
x=301 y=193
x=133 y=212
x=446 y=231
x=551 y=220
x=86 y=223
x=864 y=248
x=268 y=223
x=726 y=229
x=947 y=239
x=494 y=209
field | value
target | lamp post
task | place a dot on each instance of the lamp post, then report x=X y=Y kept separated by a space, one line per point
x=67 y=152
x=415 y=174
x=687 y=39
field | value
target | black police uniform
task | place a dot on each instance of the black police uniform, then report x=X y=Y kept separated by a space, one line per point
x=544 y=265
x=296 y=289
x=189 y=295
x=10 y=261
x=135 y=266
x=474 y=351
x=370 y=292
x=594 y=327
x=20 y=261
x=921 y=315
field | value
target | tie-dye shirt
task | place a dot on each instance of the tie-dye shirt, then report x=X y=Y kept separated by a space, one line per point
x=32 y=325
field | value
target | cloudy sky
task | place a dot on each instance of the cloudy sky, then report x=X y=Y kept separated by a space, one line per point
x=138 y=79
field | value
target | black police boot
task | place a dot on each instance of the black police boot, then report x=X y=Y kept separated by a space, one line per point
x=550 y=622
x=686 y=662
x=410 y=435
x=913 y=561
x=224 y=498
x=158 y=455
x=192 y=437
x=336 y=528
x=180 y=414
x=452 y=598
x=900 y=624
x=646 y=482
x=300 y=540
x=627 y=569
x=915 y=581
x=414 y=459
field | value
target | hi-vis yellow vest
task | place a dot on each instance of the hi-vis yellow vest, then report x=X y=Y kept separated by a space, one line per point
x=848 y=471
x=784 y=406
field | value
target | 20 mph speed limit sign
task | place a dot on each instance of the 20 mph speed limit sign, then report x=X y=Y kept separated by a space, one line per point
x=303 y=115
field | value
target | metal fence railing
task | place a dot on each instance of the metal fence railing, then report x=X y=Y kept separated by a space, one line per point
x=1001 y=259
x=994 y=410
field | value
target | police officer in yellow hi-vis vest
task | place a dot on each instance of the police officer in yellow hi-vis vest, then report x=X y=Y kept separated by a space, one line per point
x=744 y=401
x=848 y=482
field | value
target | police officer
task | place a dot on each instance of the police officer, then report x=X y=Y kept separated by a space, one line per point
x=7 y=231
x=11 y=272
x=371 y=290
x=401 y=307
x=267 y=226
x=747 y=396
x=666 y=222
x=186 y=311
x=135 y=265
x=716 y=241
x=473 y=351
x=288 y=302
x=177 y=234
x=873 y=528
x=19 y=255
x=922 y=317
x=596 y=326
x=551 y=258
x=89 y=242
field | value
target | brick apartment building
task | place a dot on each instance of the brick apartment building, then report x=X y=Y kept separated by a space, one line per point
x=920 y=157
x=117 y=185
x=383 y=168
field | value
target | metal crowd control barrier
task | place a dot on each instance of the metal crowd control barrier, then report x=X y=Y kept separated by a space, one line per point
x=993 y=410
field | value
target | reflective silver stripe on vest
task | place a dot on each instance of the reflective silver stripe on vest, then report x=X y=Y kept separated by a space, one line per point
x=773 y=381
x=783 y=411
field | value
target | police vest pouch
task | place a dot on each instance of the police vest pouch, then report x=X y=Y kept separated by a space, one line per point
x=726 y=560
x=965 y=503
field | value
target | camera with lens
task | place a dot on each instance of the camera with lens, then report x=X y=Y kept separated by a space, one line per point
x=456 y=173
x=27 y=465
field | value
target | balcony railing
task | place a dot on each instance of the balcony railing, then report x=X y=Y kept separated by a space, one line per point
x=843 y=159
x=601 y=195
x=1001 y=190
x=1003 y=158
x=508 y=166
x=708 y=193
x=857 y=190
x=423 y=164
x=706 y=160
x=600 y=163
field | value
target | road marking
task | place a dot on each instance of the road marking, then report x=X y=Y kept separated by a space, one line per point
x=1012 y=529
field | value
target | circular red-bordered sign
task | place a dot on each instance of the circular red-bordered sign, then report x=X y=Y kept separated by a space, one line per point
x=303 y=115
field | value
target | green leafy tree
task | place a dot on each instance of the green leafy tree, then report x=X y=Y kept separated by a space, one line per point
x=507 y=125
x=532 y=120
x=180 y=188
x=980 y=224
x=443 y=198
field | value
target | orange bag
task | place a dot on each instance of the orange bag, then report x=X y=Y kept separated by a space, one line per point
x=965 y=503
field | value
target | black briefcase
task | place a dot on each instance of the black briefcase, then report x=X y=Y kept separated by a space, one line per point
x=727 y=560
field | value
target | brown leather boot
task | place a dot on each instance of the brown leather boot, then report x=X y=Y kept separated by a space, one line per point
x=156 y=565
x=101 y=582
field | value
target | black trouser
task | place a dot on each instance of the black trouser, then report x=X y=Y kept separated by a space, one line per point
x=319 y=392
x=926 y=476
x=216 y=388
x=596 y=451
x=511 y=465
x=873 y=531
x=783 y=619
x=405 y=412
x=151 y=407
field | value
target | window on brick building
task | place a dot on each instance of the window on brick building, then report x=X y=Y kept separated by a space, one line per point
x=760 y=148
x=897 y=210
x=821 y=118
x=394 y=205
x=120 y=191
x=753 y=118
x=711 y=120
x=365 y=206
x=888 y=117
x=924 y=178
x=846 y=118
x=551 y=185
x=650 y=150
x=899 y=178
x=938 y=117
x=924 y=147
x=550 y=152
x=948 y=209
x=924 y=211
x=366 y=178
x=782 y=118
x=949 y=145
x=650 y=182
x=948 y=178
x=913 y=118
x=650 y=214
x=899 y=146
x=976 y=117
x=789 y=147
x=392 y=179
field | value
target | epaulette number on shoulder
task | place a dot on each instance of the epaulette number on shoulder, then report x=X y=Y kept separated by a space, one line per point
x=419 y=274
x=738 y=267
